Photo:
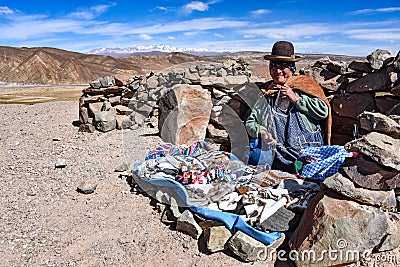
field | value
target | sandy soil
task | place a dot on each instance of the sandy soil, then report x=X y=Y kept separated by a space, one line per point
x=46 y=222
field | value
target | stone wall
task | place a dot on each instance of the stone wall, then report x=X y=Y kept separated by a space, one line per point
x=372 y=85
x=352 y=88
x=109 y=103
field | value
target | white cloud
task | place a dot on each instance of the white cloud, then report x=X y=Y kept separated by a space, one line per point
x=91 y=12
x=378 y=10
x=162 y=8
x=374 y=34
x=195 y=6
x=260 y=12
x=249 y=36
x=361 y=11
x=171 y=38
x=388 y=9
x=6 y=10
x=145 y=36
x=218 y=35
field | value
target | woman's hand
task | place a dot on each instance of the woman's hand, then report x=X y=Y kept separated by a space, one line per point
x=288 y=92
x=267 y=138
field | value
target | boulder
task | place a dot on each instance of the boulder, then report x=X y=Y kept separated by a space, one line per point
x=383 y=199
x=352 y=105
x=187 y=224
x=370 y=175
x=105 y=120
x=376 y=81
x=184 y=113
x=360 y=66
x=378 y=122
x=328 y=80
x=386 y=103
x=379 y=147
x=246 y=247
x=216 y=238
x=331 y=227
x=379 y=58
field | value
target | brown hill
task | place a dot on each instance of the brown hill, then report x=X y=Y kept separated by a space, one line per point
x=44 y=65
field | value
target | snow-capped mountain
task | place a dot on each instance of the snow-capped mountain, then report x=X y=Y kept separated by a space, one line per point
x=163 y=48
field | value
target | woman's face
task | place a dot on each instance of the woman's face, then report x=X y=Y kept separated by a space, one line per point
x=280 y=73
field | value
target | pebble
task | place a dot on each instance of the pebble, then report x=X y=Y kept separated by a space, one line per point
x=87 y=187
x=61 y=163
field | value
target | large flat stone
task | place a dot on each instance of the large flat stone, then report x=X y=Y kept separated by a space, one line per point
x=184 y=114
x=379 y=147
x=383 y=199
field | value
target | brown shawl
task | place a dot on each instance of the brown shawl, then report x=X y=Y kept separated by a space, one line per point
x=308 y=86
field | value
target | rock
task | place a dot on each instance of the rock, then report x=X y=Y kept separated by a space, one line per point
x=337 y=67
x=89 y=128
x=105 y=120
x=187 y=224
x=248 y=93
x=392 y=240
x=386 y=103
x=394 y=111
x=383 y=199
x=396 y=90
x=378 y=122
x=216 y=238
x=122 y=167
x=95 y=107
x=95 y=84
x=123 y=110
x=123 y=122
x=106 y=81
x=61 y=163
x=184 y=114
x=281 y=221
x=396 y=62
x=360 y=66
x=370 y=175
x=376 y=81
x=152 y=82
x=353 y=105
x=106 y=106
x=87 y=187
x=379 y=58
x=332 y=224
x=379 y=147
x=246 y=247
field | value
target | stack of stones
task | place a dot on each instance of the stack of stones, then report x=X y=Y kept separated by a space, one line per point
x=372 y=85
x=110 y=104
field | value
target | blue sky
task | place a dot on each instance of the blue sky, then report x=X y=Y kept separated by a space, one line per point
x=338 y=27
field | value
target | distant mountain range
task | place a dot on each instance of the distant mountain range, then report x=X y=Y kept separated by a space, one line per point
x=46 y=65
x=154 y=49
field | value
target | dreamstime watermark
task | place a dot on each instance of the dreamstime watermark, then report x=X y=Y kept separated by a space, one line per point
x=340 y=254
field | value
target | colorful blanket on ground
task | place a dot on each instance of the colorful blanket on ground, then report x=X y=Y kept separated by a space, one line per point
x=185 y=166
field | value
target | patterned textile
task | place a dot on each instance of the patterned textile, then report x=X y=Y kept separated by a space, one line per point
x=199 y=163
x=169 y=149
x=325 y=161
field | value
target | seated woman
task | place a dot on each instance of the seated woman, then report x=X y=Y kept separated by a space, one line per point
x=292 y=113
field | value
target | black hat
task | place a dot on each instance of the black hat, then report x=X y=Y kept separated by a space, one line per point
x=282 y=51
